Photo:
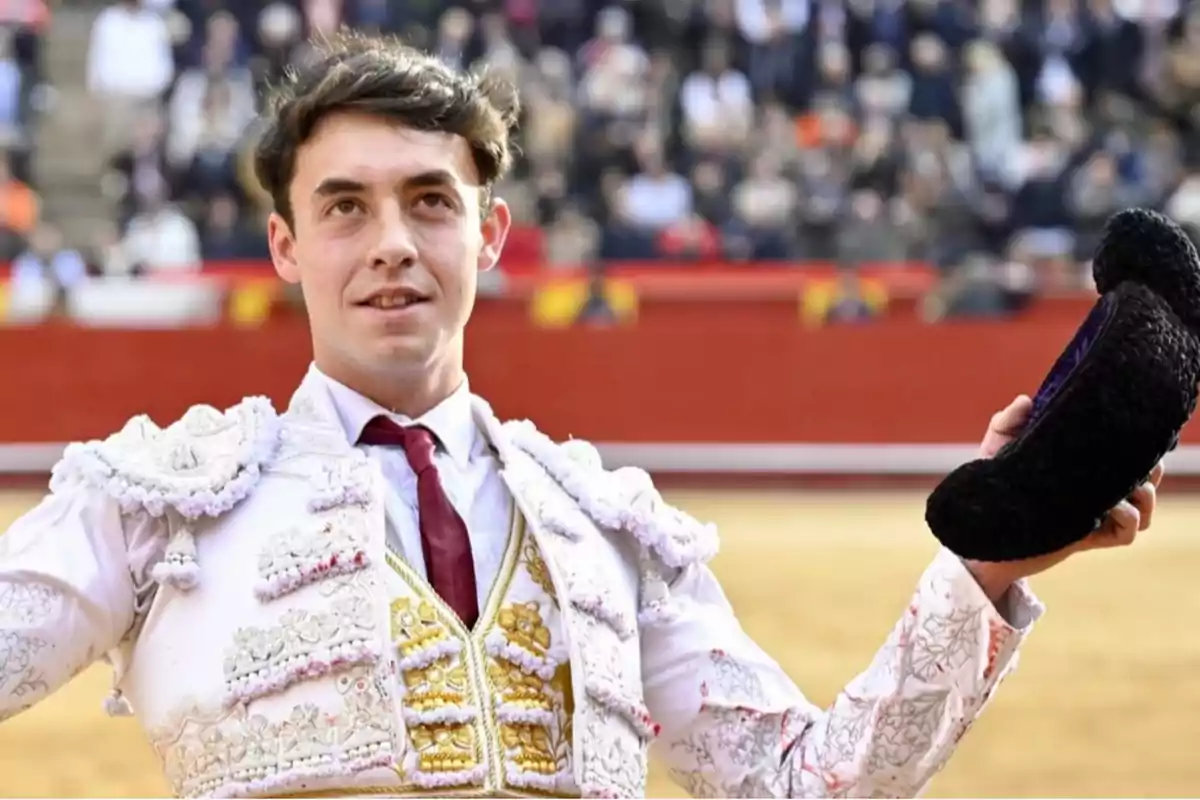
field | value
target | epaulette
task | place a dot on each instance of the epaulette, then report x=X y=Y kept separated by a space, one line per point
x=624 y=499
x=199 y=466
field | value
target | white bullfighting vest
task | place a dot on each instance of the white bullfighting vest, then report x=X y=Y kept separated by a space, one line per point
x=287 y=652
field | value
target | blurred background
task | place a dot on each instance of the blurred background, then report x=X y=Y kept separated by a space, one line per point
x=789 y=255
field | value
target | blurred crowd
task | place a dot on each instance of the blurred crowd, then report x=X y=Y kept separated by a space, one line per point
x=23 y=94
x=989 y=137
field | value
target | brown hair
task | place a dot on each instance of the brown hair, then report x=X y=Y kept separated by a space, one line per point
x=382 y=76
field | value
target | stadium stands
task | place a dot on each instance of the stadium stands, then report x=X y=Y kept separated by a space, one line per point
x=988 y=140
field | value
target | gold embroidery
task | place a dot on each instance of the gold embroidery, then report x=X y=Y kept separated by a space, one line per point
x=518 y=687
x=527 y=699
x=522 y=622
x=538 y=572
x=444 y=748
x=443 y=683
x=534 y=736
x=414 y=630
x=534 y=750
x=438 y=679
x=561 y=684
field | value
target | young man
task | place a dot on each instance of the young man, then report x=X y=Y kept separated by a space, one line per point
x=385 y=590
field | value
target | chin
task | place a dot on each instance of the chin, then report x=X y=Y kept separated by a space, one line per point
x=394 y=350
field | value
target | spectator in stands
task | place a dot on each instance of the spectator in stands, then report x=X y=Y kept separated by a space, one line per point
x=324 y=17
x=1179 y=90
x=884 y=89
x=211 y=108
x=846 y=301
x=573 y=239
x=710 y=193
x=774 y=31
x=130 y=65
x=550 y=185
x=865 y=234
x=141 y=171
x=1097 y=191
x=992 y=121
x=764 y=210
x=1111 y=45
x=981 y=287
x=823 y=189
x=11 y=92
x=452 y=45
x=933 y=97
x=717 y=100
x=834 y=82
x=596 y=310
x=161 y=238
x=874 y=161
x=47 y=264
x=563 y=24
x=19 y=212
x=655 y=196
x=496 y=45
x=279 y=29
x=690 y=239
x=26 y=21
x=1060 y=39
x=1041 y=218
x=965 y=133
x=552 y=123
x=227 y=235
x=1184 y=204
x=108 y=257
x=1159 y=164
x=614 y=78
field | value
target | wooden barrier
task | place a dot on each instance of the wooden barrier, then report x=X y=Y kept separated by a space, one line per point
x=728 y=372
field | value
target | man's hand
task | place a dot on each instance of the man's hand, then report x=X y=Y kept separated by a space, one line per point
x=1120 y=527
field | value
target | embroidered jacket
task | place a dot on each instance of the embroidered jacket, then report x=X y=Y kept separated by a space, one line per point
x=233 y=569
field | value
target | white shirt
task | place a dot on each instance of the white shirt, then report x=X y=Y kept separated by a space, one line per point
x=165 y=240
x=658 y=202
x=468 y=468
x=754 y=22
x=707 y=100
x=130 y=53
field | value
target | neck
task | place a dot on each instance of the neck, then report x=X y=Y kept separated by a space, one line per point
x=410 y=393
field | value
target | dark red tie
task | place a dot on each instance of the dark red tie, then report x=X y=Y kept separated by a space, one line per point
x=444 y=540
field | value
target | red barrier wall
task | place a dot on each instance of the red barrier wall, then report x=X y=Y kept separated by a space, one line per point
x=743 y=371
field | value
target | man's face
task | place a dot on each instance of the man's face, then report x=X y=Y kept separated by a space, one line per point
x=387 y=241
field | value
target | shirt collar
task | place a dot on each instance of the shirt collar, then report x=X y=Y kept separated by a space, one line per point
x=451 y=421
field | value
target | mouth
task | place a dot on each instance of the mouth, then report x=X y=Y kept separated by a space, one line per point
x=394 y=300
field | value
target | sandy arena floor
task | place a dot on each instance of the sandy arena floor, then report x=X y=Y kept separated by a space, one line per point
x=1104 y=704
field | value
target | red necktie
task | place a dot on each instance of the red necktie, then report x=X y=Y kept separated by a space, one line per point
x=444 y=540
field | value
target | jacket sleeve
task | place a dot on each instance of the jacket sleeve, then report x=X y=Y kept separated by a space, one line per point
x=735 y=725
x=68 y=591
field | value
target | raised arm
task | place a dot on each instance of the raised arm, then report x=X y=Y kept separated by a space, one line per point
x=735 y=725
x=67 y=593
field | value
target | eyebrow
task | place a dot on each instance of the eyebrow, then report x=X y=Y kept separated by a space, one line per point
x=435 y=177
x=335 y=186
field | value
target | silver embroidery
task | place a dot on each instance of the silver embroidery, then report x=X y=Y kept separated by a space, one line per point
x=27 y=604
x=313 y=552
x=23 y=606
x=303 y=645
x=238 y=753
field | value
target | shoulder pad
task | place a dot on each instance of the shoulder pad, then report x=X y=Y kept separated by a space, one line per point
x=623 y=499
x=202 y=465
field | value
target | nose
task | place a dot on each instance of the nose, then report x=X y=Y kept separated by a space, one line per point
x=395 y=245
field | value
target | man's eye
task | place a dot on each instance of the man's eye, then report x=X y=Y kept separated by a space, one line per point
x=433 y=200
x=345 y=207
